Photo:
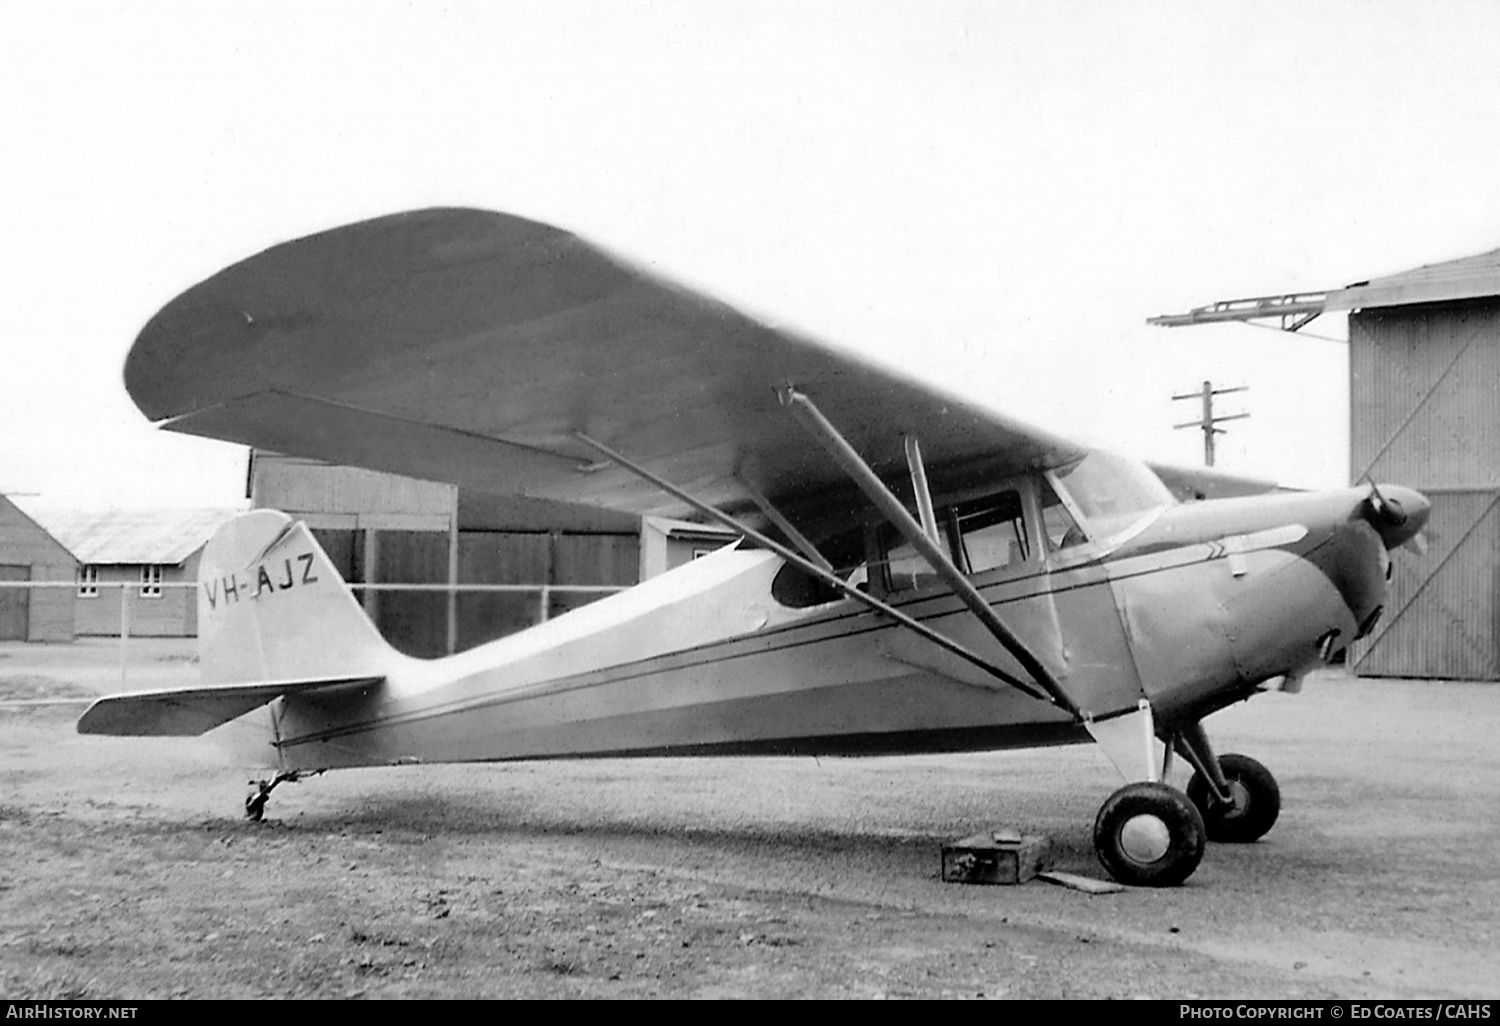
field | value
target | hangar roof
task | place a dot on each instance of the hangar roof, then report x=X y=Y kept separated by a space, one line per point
x=1470 y=277
x=119 y=536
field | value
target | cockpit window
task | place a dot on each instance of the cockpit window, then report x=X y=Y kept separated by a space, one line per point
x=991 y=532
x=1059 y=528
x=1111 y=491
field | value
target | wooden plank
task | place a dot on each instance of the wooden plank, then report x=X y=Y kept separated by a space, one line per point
x=1087 y=884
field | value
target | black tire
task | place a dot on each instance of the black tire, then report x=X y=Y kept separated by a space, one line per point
x=1149 y=835
x=1257 y=801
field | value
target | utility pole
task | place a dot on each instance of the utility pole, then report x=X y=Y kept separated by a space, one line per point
x=1208 y=420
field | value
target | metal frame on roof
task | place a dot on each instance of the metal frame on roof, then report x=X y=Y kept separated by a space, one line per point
x=1472 y=277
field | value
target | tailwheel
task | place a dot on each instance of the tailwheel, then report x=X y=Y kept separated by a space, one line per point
x=255 y=801
x=1257 y=801
x=1149 y=835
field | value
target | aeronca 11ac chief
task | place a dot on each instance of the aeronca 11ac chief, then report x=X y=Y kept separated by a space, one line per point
x=916 y=573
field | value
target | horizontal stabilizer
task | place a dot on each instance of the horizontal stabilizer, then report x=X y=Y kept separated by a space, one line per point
x=187 y=712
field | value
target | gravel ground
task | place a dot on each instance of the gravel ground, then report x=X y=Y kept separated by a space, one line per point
x=127 y=872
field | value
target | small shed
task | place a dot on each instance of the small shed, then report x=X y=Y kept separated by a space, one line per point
x=33 y=607
x=139 y=565
x=666 y=544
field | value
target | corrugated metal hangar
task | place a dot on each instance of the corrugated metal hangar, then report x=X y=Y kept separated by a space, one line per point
x=1424 y=380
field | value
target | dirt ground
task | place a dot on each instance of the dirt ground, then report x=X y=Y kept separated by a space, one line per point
x=126 y=870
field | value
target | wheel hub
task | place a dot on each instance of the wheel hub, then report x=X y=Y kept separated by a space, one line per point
x=1145 y=838
x=1239 y=799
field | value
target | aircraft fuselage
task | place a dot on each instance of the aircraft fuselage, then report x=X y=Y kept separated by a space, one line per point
x=1192 y=611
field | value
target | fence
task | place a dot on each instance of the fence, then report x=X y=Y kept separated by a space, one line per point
x=131 y=593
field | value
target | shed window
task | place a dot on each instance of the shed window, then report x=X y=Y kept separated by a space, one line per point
x=151 y=580
x=88 y=581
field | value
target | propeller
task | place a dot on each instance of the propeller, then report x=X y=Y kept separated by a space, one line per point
x=1391 y=513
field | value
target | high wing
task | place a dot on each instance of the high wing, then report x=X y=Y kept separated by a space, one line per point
x=471 y=347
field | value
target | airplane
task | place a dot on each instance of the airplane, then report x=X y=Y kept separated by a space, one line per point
x=915 y=573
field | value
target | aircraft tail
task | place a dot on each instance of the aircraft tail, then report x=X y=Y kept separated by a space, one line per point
x=271 y=606
x=274 y=618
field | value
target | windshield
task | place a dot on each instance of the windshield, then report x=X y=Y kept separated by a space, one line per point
x=1112 y=491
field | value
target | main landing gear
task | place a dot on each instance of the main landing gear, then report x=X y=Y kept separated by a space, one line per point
x=1237 y=796
x=1153 y=835
x=1149 y=835
x=1253 y=805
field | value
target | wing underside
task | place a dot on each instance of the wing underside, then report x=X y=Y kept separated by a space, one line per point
x=473 y=347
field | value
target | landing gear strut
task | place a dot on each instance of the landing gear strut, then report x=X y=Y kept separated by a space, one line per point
x=1237 y=796
x=1149 y=835
x=1255 y=804
x=255 y=801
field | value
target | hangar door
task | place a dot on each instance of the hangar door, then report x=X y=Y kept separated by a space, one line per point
x=1440 y=615
x=1422 y=413
x=15 y=603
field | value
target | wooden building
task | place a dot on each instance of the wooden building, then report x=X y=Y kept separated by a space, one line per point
x=30 y=554
x=136 y=567
x=385 y=530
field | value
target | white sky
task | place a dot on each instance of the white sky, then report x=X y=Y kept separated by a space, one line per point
x=990 y=195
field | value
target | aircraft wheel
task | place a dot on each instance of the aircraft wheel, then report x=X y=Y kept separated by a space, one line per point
x=1149 y=835
x=255 y=801
x=1257 y=801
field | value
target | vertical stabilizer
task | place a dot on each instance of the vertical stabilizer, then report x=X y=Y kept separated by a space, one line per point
x=271 y=606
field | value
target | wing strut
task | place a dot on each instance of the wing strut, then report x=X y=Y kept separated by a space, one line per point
x=919 y=486
x=813 y=569
x=854 y=465
x=786 y=527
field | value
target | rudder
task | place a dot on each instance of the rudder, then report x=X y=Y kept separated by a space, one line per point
x=271 y=606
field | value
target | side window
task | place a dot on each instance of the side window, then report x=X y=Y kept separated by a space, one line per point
x=992 y=532
x=1058 y=525
x=796 y=589
x=905 y=567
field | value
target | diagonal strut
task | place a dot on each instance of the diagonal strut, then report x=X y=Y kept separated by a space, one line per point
x=813 y=569
x=869 y=482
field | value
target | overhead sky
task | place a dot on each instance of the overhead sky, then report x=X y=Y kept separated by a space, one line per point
x=991 y=196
